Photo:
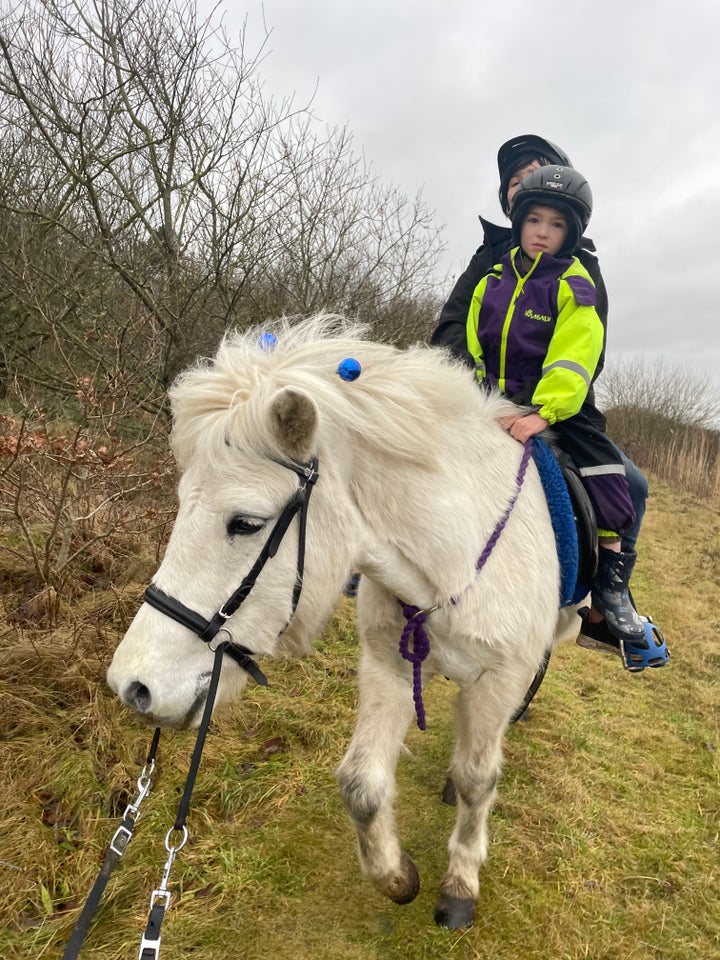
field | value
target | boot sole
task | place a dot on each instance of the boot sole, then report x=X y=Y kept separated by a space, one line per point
x=590 y=643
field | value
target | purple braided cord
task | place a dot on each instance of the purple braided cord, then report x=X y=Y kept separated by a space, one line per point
x=500 y=526
x=415 y=626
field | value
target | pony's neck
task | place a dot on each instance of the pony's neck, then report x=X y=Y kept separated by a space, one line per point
x=387 y=565
x=426 y=523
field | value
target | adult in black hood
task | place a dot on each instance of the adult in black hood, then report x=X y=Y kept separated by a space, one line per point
x=517 y=158
x=528 y=150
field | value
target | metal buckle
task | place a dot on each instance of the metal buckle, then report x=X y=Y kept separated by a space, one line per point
x=117 y=845
x=149 y=949
x=157 y=894
x=217 y=642
x=311 y=473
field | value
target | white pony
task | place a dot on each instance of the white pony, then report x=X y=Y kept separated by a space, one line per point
x=414 y=475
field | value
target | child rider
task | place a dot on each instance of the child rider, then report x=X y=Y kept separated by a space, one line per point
x=533 y=331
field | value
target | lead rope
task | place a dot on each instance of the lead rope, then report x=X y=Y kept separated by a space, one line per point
x=160 y=897
x=117 y=847
x=417 y=617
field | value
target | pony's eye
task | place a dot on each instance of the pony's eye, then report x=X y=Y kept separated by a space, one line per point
x=241 y=526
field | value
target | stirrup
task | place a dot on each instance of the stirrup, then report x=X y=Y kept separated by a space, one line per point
x=650 y=652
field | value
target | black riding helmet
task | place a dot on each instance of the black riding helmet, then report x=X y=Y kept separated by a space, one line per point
x=560 y=187
x=518 y=152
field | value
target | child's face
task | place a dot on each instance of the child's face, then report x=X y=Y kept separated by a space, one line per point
x=517 y=178
x=544 y=230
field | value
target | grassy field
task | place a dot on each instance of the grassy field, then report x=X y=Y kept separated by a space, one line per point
x=605 y=842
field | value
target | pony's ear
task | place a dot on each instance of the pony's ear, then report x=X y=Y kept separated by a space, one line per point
x=293 y=421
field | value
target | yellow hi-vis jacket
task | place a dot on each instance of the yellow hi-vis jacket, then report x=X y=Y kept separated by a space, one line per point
x=537 y=336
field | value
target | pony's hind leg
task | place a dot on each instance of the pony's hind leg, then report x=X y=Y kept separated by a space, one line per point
x=367 y=779
x=483 y=711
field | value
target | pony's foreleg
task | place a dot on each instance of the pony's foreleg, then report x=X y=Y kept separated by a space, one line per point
x=483 y=711
x=367 y=779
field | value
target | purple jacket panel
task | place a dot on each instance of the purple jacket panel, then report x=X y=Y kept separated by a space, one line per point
x=532 y=325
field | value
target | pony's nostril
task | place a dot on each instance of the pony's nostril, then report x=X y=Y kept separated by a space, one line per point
x=138 y=696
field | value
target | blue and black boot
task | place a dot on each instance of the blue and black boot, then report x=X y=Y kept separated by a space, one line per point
x=611 y=595
x=351 y=585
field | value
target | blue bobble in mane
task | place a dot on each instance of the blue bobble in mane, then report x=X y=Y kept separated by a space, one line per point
x=349 y=369
x=267 y=341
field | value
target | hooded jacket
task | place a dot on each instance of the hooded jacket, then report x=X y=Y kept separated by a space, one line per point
x=451 y=327
x=537 y=336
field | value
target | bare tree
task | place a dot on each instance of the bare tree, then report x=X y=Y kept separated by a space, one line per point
x=343 y=241
x=152 y=130
x=168 y=166
x=150 y=196
x=666 y=418
x=680 y=396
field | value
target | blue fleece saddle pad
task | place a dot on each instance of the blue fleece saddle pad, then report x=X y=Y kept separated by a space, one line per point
x=564 y=522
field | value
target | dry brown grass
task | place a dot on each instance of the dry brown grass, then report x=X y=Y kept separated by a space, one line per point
x=691 y=462
x=687 y=456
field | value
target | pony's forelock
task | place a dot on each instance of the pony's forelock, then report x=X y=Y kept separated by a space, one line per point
x=222 y=401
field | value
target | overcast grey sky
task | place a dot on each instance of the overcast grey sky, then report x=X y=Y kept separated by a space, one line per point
x=630 y=88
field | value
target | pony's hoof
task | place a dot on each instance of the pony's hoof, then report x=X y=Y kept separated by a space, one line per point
x=404 y=887
x=454 y=913
x=449 y=793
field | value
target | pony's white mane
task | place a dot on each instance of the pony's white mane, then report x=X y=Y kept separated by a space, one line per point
x=219 y=400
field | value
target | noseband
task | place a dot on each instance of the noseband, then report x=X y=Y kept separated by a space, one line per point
x=207 y=629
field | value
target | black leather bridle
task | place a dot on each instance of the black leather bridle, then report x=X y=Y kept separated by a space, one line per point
x=207 y=629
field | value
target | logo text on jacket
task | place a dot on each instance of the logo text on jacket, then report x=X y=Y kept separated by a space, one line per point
x=537 y=316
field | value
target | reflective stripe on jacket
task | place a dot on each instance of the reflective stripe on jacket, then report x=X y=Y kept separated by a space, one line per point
x=537 y=336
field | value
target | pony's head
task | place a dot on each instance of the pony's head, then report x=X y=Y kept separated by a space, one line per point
x=244 y=424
